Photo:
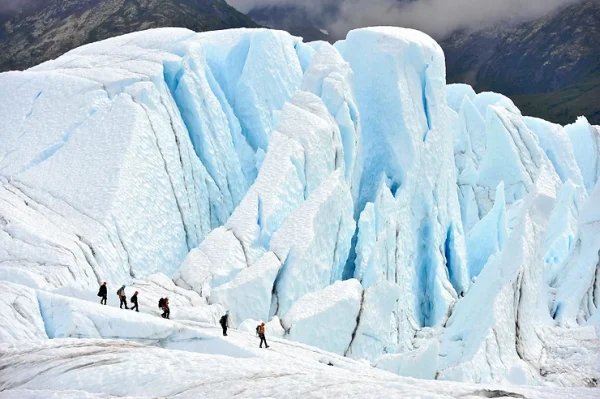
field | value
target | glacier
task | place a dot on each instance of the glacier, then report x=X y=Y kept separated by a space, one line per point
x=382 y=223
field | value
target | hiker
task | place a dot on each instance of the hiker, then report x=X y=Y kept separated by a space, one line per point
x=260 y=329
x=102 y=293
x=135 y=301
x=161 y=304
x=122 y=297
x=224 y=322
x=165 y=307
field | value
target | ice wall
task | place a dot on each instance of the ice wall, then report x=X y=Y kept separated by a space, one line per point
x=341 y=193
x=412 y=234
x=497 y=335
x=586 y=147
x=138 y=147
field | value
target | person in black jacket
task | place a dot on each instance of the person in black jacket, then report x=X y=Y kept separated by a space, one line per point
x=102 y=293
x=134 y=300
x=224 y=322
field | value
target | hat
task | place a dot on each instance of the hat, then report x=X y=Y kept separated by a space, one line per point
x=136 y=292
x=263 y=323
x=104 y=283
x=123 y=286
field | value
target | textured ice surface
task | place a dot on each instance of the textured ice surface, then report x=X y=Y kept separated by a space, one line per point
x=255 y=90
x=510 y=291
x=586 y=146
x=215 y=262
x=505 y=293
x=457 y=93
x=409 y=226
x=578 y=296
x=558 y=147
x=314 y=241
x=110 y=369
x=419 y=363
x=21 y=319
x=163 y=131
x=488 y=236
x=343 y=194
x=326 y=318
x=374 y=324
x=249 y=293
x=330 y=78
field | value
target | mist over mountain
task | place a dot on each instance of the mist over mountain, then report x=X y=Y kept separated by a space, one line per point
x=543 y=54
x=435 y=17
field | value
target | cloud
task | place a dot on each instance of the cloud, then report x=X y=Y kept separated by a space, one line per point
x=10 y=7
x=436 y=17
x=247 y=5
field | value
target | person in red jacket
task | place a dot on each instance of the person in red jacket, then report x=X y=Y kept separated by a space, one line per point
x=166 y=310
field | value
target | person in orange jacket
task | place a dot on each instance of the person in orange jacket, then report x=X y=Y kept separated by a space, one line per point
x=261 y=334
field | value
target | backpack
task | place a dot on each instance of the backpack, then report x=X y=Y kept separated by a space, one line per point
x=223 y=320
x=99 y=293
x=258 y=329
x=133 y=299
x=161 y=303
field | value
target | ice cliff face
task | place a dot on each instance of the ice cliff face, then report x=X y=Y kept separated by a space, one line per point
x=343 y=192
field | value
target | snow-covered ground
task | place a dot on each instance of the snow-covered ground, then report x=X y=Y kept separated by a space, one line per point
x=344 y=194
x=115 y=368
x=187 y=359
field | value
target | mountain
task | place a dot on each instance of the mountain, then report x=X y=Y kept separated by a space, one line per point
x=549 y=67
x=293 y=19
x=43 y=30
x=344 y=195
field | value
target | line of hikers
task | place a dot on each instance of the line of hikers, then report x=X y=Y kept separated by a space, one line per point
x=163 y=304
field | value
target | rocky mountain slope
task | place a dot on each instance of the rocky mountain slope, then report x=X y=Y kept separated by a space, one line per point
x=550 y=67
x=292 y=19
x=43 y=30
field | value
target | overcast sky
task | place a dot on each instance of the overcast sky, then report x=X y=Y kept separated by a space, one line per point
x=10 y=6
x=436 y=17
